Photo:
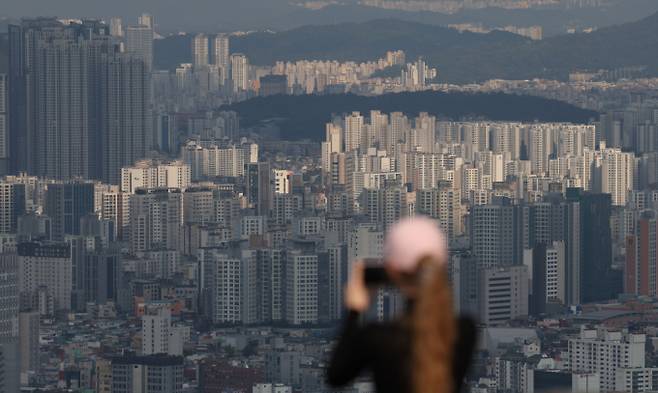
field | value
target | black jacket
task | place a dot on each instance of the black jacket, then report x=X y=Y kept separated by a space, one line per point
x=385 y=350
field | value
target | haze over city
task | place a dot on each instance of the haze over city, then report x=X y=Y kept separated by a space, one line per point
x=281 y=196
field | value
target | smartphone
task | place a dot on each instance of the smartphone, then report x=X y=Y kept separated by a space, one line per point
x=376 y=276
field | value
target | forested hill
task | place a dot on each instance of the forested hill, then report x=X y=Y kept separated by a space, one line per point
x=303 y=117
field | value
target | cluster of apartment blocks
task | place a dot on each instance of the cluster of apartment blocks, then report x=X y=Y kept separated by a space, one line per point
x=594 y=359
x=475 y=157
x=250 y=237
x=366 y=165
x=241 y=260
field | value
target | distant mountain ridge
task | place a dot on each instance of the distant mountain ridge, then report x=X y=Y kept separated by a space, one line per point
x=460 y=57
x=554 y=20
x=303 y=117
x=232 y=15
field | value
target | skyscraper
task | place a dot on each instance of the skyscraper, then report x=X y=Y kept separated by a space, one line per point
x=240 y=72
x=560 y=221
x=221 y=53
x=547 y=276
x=116 y=27
x=597 y=282
x=126 y=122
x=223 y=284
x=102 y=276
x=642 y=256
x=200 y=50
x=301 y=290
x=146 y=20
x=613 y=174
x=495 y=236
x=77 y=104
x=259 y=186
x=139 y=42
x=52 y=72
x=4 y=126
x=353 y=131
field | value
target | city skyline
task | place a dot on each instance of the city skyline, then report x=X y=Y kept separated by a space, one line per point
x=190 y=227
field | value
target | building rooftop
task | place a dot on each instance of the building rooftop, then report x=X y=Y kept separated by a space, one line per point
x=603 y=315
x=492 y=338
x=152 y=360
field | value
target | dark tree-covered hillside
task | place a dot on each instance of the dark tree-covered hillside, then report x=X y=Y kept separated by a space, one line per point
x=303 y=117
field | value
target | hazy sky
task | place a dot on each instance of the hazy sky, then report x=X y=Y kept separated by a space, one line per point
x=168 y=13
x=231 y=15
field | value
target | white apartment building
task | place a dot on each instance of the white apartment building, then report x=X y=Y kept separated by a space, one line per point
x=200 y=50
x=585 y=383
x=636 y=380
x=158 y=334
x=222 y=52
x=151 y=174
x=333 y=144
x=353 y=131
x=46 y=267
x=605 y=352
x=555 y=280
x=616 y=171
x=221 y=287
x=240 y=72
x=365 y=241
x=301 y=289
x=156 y=219
x=115 y=206
x=282 y=181
x=210 y=160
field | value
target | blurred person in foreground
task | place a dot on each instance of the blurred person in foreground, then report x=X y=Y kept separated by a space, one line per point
x=427 y=349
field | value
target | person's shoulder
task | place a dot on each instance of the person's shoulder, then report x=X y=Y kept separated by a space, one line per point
x=466 y=322
x=466 y=328
x=393 y=328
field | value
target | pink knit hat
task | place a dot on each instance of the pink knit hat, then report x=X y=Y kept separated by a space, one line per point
x=410 y=240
